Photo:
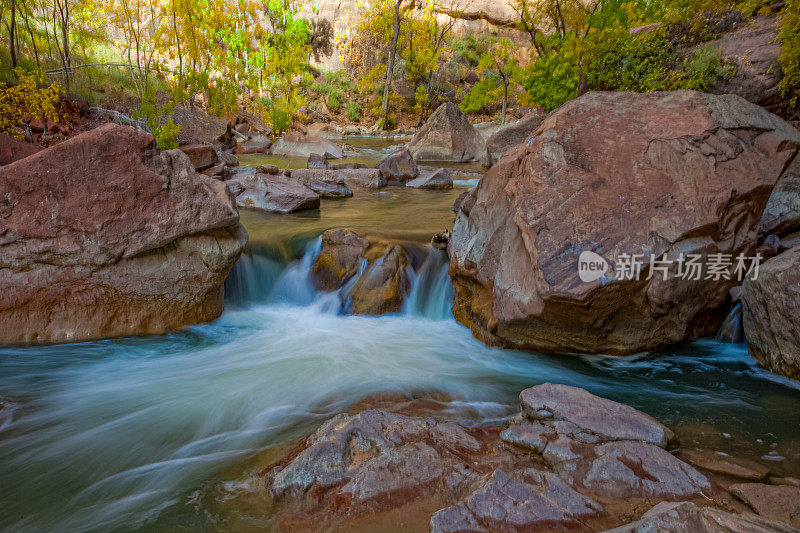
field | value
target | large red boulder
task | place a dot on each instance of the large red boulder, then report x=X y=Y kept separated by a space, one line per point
x=105 y=235
x=614 y=174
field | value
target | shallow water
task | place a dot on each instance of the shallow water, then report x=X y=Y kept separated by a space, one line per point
x=122 y=433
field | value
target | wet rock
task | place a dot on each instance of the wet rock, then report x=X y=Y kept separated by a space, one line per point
x=259 y=144
x=149 y=253
x=781 y=502
x=274 y=193
x=384 y=283
x=580 y=412
x=514 y=252
x=438 y=179
x=624 y=469
x=440 y=241
x=680 y=517
x=399 y=166
x=297 y=144
x=338 y=259
x=539 y=500
x=447 y=135
x=771 y=314
x=725 y=464
x=329 y=190
x=317 y=161
x=12 y=149
x=361 y=178
x=511 y=135
x=375 y=460
x=202 y=156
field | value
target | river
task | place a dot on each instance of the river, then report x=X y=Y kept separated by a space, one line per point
x=130 y=433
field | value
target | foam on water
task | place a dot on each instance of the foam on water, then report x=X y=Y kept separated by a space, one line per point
x=111 y=433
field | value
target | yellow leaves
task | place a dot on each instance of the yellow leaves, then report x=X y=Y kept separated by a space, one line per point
x=26 y=99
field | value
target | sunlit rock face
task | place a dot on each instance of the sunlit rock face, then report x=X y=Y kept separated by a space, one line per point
x=616 y=173
x=105 y=235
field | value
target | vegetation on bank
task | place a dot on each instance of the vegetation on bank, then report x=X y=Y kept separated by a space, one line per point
x=400 y=63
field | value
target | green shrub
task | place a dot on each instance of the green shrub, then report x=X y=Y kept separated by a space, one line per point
x=353 y=111
x=553 y=79
x=789 y=37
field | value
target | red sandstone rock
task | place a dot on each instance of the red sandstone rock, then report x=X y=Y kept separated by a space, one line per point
x=12 y=149
x=105 y=235
x=615 y=173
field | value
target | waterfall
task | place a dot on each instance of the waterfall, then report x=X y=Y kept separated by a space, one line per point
x=262 y=276
x=431 y=291
x=252 y=277
x=731 y=330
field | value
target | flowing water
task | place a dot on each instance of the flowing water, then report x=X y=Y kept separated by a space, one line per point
x=124 y=433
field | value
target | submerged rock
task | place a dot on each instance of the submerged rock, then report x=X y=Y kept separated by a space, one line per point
x=438 y=179
x=148 y=253
x=673 y=173
x=447 y=135
x=771 y=314
x=781 y=503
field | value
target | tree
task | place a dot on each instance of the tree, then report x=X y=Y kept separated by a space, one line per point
x=390 y=66
x=499 y=66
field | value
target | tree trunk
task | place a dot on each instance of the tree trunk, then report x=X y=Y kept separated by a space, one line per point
x=12 y=34
x=505 y=97
x=390 y=67
x=33 y=37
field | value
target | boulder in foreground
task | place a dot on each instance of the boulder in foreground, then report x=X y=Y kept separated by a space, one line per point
x=447 y=135
x=369 y=467
x=672 y=174
x=105 y=235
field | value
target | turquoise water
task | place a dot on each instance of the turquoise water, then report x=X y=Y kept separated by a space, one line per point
x=125 y=433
